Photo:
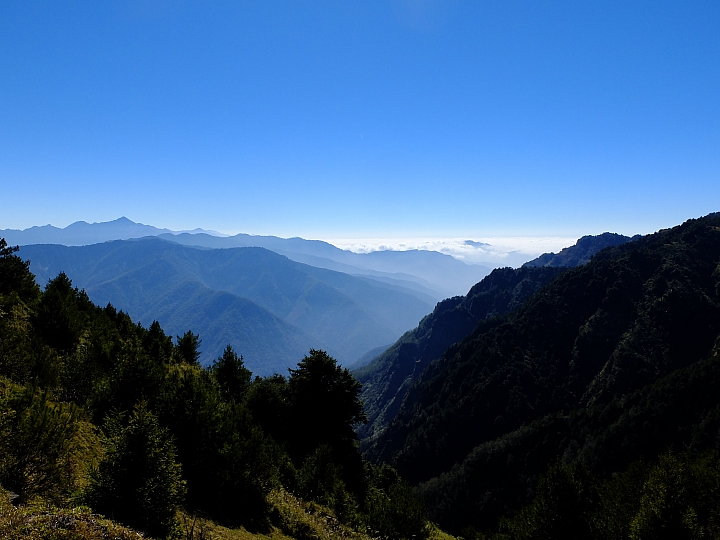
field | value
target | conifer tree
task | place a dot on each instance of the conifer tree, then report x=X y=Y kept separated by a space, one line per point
x=138 y=482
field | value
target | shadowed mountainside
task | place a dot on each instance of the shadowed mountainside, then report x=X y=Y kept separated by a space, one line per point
x=474 y=426
x=388 y=377
x=582 y=251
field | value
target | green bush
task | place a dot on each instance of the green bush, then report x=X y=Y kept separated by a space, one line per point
x=138 y=481
x=565 y=500
x=678 y=501
x=320 y=480
x=393 y=510
x=396 y=514
x=41 y=443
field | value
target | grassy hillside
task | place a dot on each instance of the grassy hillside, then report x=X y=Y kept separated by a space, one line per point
x=292 y=519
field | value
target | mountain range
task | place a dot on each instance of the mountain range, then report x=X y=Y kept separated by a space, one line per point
x=271 y=309
x=594 y=362
x=82 y=233
x=430 y=272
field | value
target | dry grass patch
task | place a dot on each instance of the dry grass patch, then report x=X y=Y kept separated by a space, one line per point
x=43 y=522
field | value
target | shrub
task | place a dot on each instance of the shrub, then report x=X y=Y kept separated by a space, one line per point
x=138 y=481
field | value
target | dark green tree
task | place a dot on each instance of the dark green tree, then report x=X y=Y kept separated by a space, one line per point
x=138 y=482
x=158 y=346
x=135 y=376
x=268 y=402
x=15 y=275
x=188 y=348
x=325 y=401
x=62 y=314
x=325 y=405
x=231 y=375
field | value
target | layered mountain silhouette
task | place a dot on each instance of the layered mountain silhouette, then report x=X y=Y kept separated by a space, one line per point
x=611 y=362
x=429 y=272
x=271 y=309
x=82 y=233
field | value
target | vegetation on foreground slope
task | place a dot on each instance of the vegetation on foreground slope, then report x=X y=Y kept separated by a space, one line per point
x=96 y=410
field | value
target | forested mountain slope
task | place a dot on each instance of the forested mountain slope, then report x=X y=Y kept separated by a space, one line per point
x=587 y=342
x=582 y=251
x=270 y=307
x=388 y=377
x=678 y=413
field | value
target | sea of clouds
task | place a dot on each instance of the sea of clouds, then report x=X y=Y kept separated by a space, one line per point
x=494 y=252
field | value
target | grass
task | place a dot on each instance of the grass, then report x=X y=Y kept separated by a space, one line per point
x=39 y=521
x=293 y=520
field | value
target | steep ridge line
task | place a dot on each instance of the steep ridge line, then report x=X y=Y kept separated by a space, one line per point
x=595 y=335
x=388 y=377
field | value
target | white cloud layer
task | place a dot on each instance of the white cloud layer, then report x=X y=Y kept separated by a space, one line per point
x=495 y=251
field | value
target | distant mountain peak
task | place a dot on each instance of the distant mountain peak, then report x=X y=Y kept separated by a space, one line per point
x=82 y=233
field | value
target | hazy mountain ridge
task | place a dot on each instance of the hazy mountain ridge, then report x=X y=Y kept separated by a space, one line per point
x=595 y=335
x=429 y=272
x=318 y=308
x=82 y=233
x=432 y=270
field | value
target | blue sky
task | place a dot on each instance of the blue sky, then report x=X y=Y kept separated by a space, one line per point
x=373 y=119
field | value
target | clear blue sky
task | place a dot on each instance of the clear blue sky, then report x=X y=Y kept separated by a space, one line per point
x=341 y=119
